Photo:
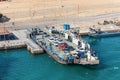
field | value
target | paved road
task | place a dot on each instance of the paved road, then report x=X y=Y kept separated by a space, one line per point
x=74 y=19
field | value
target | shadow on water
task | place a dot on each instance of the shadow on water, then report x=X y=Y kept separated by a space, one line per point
x=92 y=40
x=95 y=42
x=83 y=72
x=100 y=66
x=97 y=67
x=5 y=64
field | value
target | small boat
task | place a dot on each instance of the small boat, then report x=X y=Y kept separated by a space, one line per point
x=98 y=33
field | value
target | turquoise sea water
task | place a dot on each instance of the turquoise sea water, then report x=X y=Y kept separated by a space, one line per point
x=21 y=65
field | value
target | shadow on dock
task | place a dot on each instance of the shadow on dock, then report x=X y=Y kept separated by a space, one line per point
x=4 y=19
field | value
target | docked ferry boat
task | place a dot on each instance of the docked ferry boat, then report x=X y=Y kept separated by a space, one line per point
x=65 y=51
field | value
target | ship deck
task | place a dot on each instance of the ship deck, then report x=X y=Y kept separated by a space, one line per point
x=61 y=55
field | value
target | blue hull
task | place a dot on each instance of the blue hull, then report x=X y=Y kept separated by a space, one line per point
x=105 y=34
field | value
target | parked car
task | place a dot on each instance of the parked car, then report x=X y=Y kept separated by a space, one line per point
x=46 y=35
x=51 y=40
x=62 y=46
x=60 y=41
x=71 y=48
x=55 y=44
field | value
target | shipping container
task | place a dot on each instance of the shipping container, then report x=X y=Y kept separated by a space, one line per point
x=80 y=54
x=66 y=36
x=66 y=26
x=76 y=41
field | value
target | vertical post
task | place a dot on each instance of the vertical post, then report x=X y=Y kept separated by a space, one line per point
x=4 y=32
x=78 y=9
x=13 y=23
x=30 y=15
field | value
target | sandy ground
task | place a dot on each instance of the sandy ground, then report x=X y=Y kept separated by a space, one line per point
x=81 y=13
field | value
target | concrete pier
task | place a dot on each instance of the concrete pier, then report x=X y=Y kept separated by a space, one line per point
x=22 y=42
x=11 y=44
x=33 y=47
